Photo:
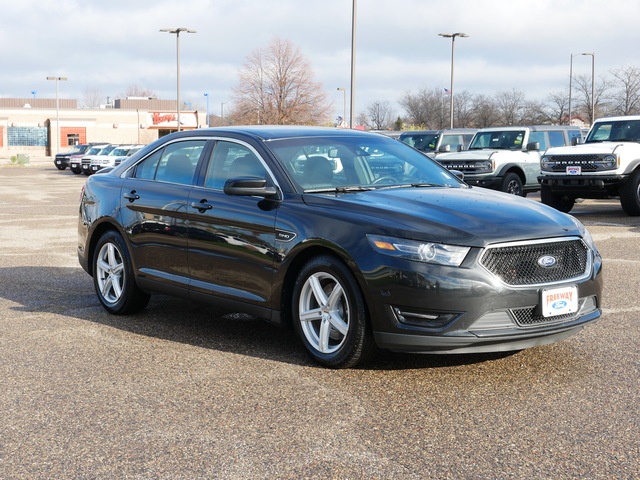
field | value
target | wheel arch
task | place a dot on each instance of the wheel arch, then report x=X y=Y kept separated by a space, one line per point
x=98 y=230
x=303 y=253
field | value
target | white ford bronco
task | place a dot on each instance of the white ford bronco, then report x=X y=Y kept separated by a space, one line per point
x=508 y=158
x=606 y=165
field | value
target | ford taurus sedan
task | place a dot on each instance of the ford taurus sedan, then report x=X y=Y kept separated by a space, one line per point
x=356 y=240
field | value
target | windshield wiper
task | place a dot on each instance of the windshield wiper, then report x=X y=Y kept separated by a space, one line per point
x=410 y=185
x=339 y=189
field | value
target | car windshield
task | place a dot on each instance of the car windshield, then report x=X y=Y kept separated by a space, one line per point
x=345 y=163
x=498 y=140
x=94 y=150
x=615 y=131
x=119 y=152
x=425 y=142
x=79 y=149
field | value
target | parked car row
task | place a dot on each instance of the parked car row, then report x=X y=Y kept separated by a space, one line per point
x=93 y=157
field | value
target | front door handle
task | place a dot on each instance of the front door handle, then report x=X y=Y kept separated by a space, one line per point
x=132 y=196
x=202 y=206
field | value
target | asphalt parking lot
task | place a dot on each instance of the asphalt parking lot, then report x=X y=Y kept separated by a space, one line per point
x=183 y=391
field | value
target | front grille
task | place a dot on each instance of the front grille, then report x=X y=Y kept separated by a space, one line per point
x=588 y=162
x=521 y=263
x=530 y=316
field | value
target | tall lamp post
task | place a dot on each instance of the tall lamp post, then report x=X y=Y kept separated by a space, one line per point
x=222 y=112
x=177 y=33
x=353 y=62
x=57 y=79
x=344 y=111
x=452 y=36
x=593 y=84
x=207 y=97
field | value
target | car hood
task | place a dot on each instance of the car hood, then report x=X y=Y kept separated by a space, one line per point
x=596 y=148
x=474 y=155
x=462 y=216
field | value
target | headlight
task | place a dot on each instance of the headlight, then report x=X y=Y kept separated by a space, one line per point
x=610 y=161
x=545 y=162
x=427 y=252
x=584 y=233
x=485 y=166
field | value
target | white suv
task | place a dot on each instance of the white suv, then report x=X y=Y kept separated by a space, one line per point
x=508 y=158
x=606 y=165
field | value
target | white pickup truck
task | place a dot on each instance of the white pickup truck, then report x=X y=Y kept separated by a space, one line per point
x=508 y=158
x=606 y=165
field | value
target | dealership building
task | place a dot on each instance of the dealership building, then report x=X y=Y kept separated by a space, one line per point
x=44 y=127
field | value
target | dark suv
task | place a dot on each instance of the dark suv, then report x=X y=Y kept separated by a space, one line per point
x=61 y=160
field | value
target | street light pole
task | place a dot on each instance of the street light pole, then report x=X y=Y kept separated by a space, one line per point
x=344 y=111
x=177 y=33
x=593 y=60
x=207 y=97
x=57 y=79
x=452 y=36
x=353 y=61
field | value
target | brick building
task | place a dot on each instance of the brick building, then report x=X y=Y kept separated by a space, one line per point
x=36 y=127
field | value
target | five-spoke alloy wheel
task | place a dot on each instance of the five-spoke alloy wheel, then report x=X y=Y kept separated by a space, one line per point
x=113 y=276
x=330 y=314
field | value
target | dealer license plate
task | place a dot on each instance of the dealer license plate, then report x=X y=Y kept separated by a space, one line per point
x=559 y=301
x=574 y=170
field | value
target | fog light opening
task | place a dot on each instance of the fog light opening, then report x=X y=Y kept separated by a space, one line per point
x=424 y=319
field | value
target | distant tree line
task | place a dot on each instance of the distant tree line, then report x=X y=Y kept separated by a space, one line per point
x=617 y=93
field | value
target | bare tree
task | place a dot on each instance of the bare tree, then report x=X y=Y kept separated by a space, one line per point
x=583 y=85
x=136 y=91
x=380 y=115
x=626 y=100
x=463 y=109
x=426 y=109
x=276 y=87
x=510 y=106
x=92 y=97
x=557 y=107
x=485 y=112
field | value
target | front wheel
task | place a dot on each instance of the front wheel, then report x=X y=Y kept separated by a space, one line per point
x=559 y=202
x=512 y=183
x=113 y=277
x=330 y=315
x=630 y=195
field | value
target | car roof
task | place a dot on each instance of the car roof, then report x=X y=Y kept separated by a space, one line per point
x=532 y=128
x=275 y=132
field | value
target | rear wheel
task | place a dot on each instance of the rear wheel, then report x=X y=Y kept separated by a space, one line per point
x=113 y=276
x=559 y=202
x=630 y=195
x=512 y=183
x=329 y=314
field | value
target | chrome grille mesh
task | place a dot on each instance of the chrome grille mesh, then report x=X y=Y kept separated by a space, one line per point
x=519 y=264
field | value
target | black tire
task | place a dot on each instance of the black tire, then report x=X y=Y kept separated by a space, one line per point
x=60 y=167
x=113 y=277
x=512 y=183
x=559 y=202
x=77 y=171
x=330 y=315
x=630 y=195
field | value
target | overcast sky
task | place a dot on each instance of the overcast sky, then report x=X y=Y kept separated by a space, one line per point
x=109 y=45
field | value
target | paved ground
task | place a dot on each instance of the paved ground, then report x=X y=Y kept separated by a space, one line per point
x=187 y=392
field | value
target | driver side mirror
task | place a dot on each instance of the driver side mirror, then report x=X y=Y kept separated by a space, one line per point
x=249 y=186
x=444 y=148
x=533 y=146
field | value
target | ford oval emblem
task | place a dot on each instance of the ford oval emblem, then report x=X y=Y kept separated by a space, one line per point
x=547 y=261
